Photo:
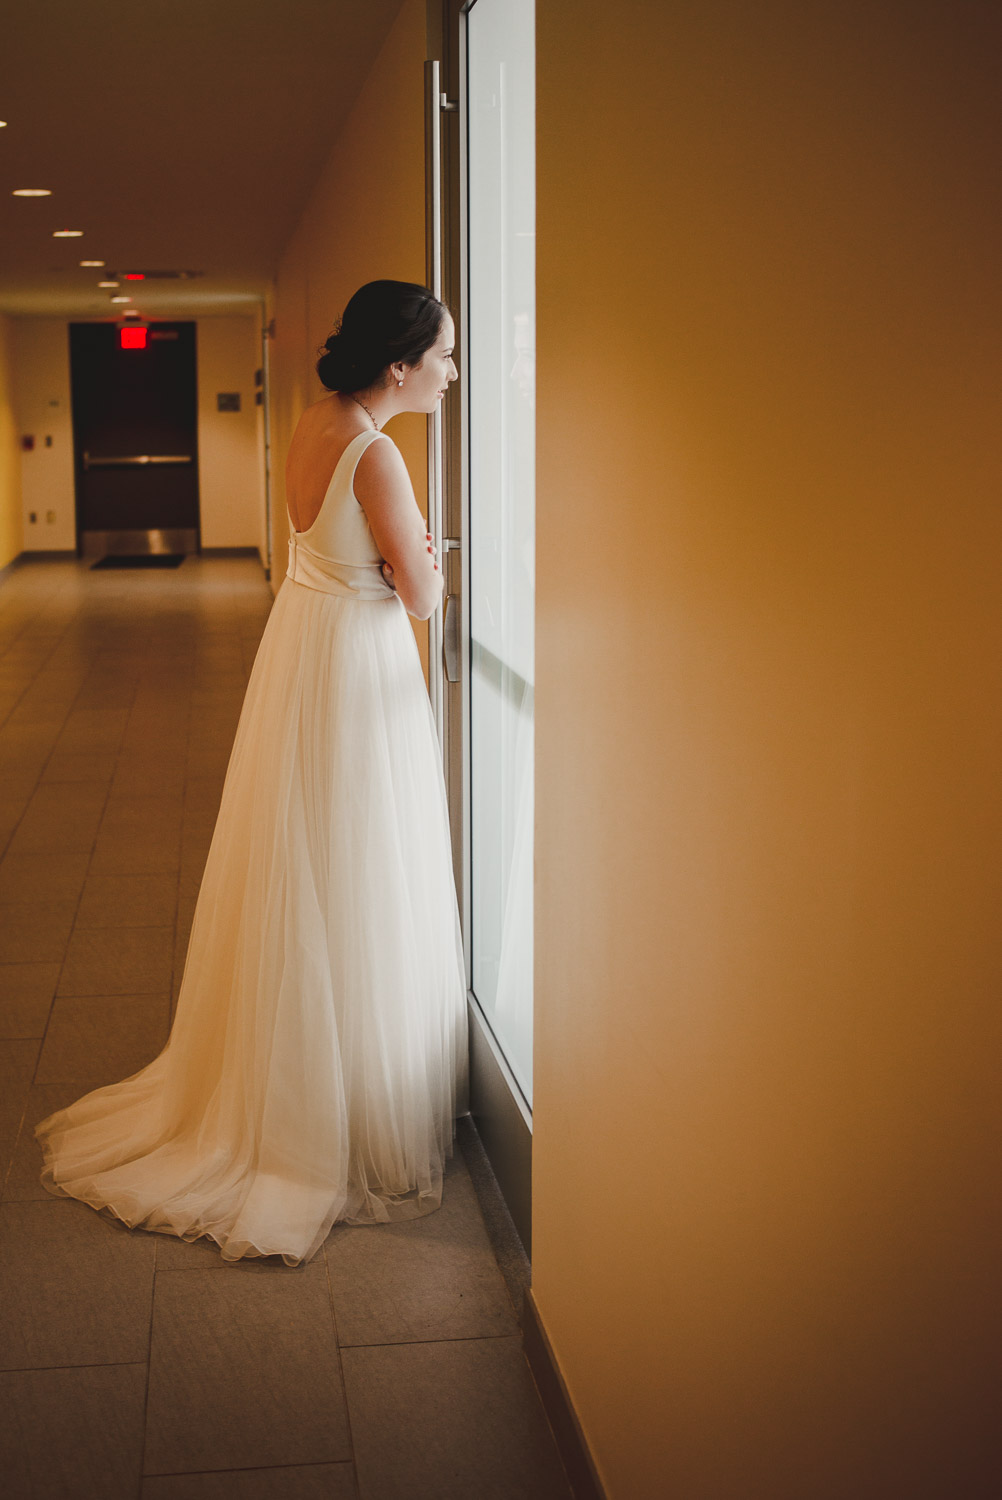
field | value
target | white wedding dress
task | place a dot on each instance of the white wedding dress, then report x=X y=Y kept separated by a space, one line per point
x=318 y=1052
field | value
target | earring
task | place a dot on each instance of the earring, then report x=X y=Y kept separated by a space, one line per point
x=399 y=382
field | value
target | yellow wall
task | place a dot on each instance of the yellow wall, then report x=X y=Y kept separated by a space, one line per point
x=365 y=221
x=230 y=473
x=769 y=743
x=10 y=459
x=40 y=350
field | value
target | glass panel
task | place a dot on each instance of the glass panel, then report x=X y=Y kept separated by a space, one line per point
x=502 y=218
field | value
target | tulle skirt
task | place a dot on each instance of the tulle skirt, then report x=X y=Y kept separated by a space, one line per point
x=318 y=1053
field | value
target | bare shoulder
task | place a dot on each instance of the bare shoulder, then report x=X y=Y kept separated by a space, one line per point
x=382 y=474
x=318 y=417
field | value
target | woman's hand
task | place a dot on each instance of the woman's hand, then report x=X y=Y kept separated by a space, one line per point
x=388 y=575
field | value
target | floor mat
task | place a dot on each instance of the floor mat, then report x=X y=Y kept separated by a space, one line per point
x=140 y=560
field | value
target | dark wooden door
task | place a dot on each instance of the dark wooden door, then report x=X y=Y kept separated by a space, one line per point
x=135 y=436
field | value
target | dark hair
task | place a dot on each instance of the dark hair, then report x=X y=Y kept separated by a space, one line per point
x=385 y=321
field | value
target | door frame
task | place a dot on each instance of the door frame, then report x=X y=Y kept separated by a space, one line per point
x=502 y=1115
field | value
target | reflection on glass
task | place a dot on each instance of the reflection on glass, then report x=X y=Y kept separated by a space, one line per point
x=502 y=211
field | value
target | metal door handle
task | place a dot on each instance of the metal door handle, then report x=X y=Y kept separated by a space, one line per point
x=433 y=248
x=91 y=461
x=450 y=637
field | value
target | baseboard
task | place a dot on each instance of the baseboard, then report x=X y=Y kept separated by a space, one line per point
x=581 y=1472
x=43 y=554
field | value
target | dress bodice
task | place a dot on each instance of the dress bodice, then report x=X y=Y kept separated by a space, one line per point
x=338 y=553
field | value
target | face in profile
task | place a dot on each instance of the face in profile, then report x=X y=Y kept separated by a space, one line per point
x=426 y=383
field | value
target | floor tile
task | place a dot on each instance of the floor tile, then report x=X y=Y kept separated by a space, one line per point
x=244 y=1371
x=118 y=961
x=453 y=1420
x=187 y=899
x=162 y=735
x=128 y=901
x=79 y=765
x=23 y=1183
x=96 y=1041
x=24 y=745
x=12 y=1107
x=17 y=1062
x=127 y=854
x=429 y=1278
x=311 y=1482
x=72 y=1434
x=142 y=775
x=106 y=695
x=92 y=729
x=198 y=825
x=133 y=816
x=35 y=932
x=175 y=1254
x=43 y=877
x=8 y=825
x=59 y=817
x=16 y=792
x=203 y=793
x=74 y=1289
x=193 y=862
x=26 y=992
x=208 y=760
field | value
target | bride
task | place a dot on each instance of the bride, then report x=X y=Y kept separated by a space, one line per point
x=318 y=1051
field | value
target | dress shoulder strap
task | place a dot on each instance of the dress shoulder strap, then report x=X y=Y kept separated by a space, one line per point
x=343 y=478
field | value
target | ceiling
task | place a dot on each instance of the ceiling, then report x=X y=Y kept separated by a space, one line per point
x=177 y=134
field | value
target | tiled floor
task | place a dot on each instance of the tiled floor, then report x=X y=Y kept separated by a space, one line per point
x=133 y=1364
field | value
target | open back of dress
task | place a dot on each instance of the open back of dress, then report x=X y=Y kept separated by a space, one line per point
x=318 y=1050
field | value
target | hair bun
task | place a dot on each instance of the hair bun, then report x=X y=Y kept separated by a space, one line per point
x=384 y=321
x=337 y=367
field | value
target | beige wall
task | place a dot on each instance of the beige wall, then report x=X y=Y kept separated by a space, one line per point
x=41 y=366
x=10 y=466
x=230 y=470
x=364 y=221
x=766 y=1196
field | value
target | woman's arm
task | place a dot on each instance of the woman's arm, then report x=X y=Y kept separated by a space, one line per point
x=384 y=491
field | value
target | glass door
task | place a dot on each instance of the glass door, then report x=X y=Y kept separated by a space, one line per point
x=500 y=332
x=488 y=242
x=480 y=96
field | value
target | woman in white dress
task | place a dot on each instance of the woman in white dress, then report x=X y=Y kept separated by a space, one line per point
x=318 y=1050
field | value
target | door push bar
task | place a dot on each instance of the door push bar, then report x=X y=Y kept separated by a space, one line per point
x=94 y=461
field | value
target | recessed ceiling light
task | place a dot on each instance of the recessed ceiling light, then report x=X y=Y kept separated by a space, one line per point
x=32 y=193
x=112 y=284
x=67 y=234
x=92 y=262
x=3 y=124
x=121 y=299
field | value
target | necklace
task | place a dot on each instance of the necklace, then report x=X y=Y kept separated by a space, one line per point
x=368 y=413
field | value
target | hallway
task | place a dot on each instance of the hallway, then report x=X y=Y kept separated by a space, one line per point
x=134 y=1364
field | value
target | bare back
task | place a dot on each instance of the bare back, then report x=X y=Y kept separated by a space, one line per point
x=325 y=429
x=382 y=488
